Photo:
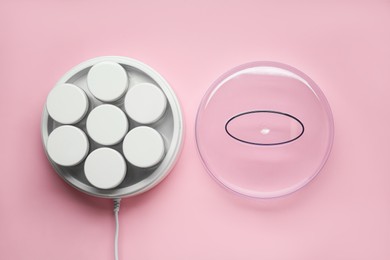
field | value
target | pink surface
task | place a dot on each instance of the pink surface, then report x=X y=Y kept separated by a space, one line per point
x=344 y=214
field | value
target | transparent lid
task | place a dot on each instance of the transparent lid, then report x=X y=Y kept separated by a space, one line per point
x=264 y=129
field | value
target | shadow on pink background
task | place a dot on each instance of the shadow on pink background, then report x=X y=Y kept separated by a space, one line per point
x=344 y=46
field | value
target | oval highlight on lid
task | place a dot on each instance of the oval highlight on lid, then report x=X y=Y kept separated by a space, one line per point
x=264 y=127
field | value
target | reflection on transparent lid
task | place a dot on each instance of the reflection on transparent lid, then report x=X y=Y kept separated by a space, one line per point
x=264 y=129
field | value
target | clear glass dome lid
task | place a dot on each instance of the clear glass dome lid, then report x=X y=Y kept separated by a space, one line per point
x=264 y=129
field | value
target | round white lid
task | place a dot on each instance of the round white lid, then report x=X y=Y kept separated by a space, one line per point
x=107 y=124
x=67 y=103
x=145 y=103
x=105 y=168
x=67 y=145
x=107 y=81
x=143 y=147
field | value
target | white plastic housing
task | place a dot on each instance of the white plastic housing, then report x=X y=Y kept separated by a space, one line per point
x=168 y=123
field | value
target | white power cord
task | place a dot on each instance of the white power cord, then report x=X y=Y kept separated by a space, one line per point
x=117 y=204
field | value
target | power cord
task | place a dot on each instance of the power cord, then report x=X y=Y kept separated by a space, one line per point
x=117 y=204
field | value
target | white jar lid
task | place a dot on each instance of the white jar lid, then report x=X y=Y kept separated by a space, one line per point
x=67 y=145
x=145 y=103
x=105 y=168
x=67 y=103
x=143 y=147
x=107 y=124
x=107 y=81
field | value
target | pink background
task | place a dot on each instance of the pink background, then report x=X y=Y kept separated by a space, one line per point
x=344 y=214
